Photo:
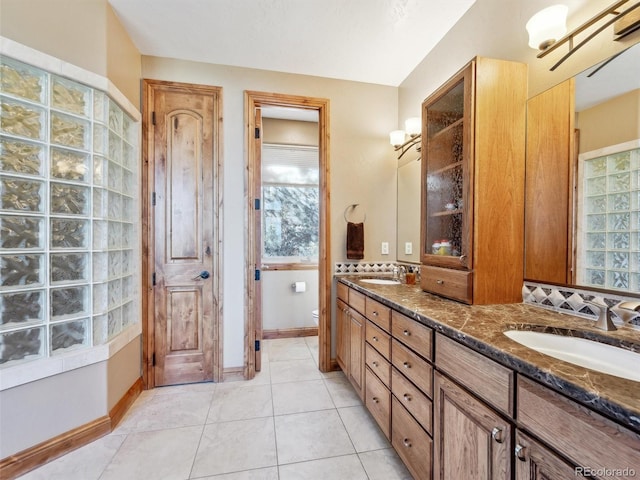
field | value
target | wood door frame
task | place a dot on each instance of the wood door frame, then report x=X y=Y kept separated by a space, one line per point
x=149 y=87
x=253 y=100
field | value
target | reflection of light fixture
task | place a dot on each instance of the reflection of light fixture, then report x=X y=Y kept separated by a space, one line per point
x=547 y=26
x=544 y=39
x=413 y=128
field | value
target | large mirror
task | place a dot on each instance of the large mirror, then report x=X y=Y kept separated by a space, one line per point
x=598 y=212
x=408 y=218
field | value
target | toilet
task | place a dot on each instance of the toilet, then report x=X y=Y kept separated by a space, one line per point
x=315 y=314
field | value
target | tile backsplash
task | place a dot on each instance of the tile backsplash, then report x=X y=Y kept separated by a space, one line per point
x=571 y=300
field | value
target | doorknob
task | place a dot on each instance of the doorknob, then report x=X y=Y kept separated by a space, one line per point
x=203 y=274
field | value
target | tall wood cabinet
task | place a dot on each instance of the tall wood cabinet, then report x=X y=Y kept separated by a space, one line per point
x=472 y=205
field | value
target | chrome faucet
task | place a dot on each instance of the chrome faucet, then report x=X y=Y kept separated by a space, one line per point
x=627 y=310
x=604 y=316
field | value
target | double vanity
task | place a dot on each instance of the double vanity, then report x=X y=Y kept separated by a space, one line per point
x=458 y=393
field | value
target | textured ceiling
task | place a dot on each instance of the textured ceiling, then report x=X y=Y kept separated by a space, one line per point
x=375 y=41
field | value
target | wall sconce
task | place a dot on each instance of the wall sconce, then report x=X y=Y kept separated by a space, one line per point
x=412 y=128
x=545 y=26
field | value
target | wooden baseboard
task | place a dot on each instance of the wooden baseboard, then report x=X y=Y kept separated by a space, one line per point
x=22 y=462
x=119 y=409
x=290 y=333
x=233 y=374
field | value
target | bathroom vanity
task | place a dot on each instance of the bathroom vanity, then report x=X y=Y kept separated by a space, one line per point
x=455 y=395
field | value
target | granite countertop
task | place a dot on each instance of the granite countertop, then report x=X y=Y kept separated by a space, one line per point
x=481 y=328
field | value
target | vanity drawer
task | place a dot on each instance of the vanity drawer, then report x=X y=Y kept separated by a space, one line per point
x=416 y=402
x=411 y=442
x=378 y=314
x=378 y=402
x=378 y=364
x=379 y=339
x=456 y=284
x=342 y=292
x=412 y=366
x=356 y=300
x=487 y=379
x=413 y=334
x=581 y=435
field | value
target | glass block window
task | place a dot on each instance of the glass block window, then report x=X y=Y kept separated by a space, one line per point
x=291 y=202
x=69 y=206
x=609 y=224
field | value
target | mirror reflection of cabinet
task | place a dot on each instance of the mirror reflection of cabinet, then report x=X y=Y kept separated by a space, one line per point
x=549 y=186
x=473 y=144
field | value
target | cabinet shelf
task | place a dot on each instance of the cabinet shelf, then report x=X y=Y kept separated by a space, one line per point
x=445 y=213
x=446 y=129
x=451 y=166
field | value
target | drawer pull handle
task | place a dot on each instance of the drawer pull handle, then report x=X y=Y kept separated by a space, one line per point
x=406 y=365
x=496 y=434
x=374 y=363
x=521 y=453
x=375 y=339
x=440 y=282
x=462 y=259
x=406 y=333
x=375 y=399
x=375 y=314
x=406 y=442
x=407 y=397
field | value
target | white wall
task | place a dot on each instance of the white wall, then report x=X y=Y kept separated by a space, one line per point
x=282 y=308
x=363 y=167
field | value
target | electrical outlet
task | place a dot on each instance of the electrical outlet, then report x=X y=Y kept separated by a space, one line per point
x=385 y=248
x=408 y=248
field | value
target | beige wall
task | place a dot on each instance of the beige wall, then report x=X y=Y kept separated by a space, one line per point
x=85 y=33
x=610 y=123
x=363 y=168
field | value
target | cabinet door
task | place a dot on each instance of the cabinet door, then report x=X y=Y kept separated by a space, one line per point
x=534 y=461
x=470 y=439
x=447 y=173
x=342 y=336
x=356 y=351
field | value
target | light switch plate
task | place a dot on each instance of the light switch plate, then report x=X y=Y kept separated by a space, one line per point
x=408 y=248
x=385 y=248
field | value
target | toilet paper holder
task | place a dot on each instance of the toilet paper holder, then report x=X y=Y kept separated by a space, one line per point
x=299 y=287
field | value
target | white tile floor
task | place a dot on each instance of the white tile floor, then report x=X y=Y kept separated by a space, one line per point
x=290 y=422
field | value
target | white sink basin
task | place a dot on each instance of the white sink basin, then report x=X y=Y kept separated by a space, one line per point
x=380 y=281
x=580 y=351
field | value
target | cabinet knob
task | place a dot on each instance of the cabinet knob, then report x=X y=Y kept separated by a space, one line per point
x=407 y=397
x=440 y=282
x=462 y=258
x=375 y=399
x=375 y=339
x=406 y=365
x=406 y=333
x=496 y=434
x=521 y=453
x=375 y=314
x=406 y=442
x=374 y=363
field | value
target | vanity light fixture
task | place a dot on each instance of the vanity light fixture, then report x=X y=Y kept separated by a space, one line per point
x=545 y=27
x=397 y=138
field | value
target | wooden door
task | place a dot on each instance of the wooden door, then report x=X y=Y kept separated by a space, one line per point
x=534 y=461
x=356 y=351
x=470 y=439
x=184 y=136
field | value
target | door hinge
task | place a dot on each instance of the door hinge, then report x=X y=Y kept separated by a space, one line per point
x=257 y=274
x=153 y=199
x=257 y=133
x=153 y=118
x=153 y=359
x=153 y=279
x=257 y=345
x=256 y=204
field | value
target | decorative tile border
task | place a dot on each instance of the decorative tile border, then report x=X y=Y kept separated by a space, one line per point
x=571 y=300
x=355 y=267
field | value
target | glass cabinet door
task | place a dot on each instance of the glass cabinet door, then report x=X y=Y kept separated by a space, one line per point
x=446 y=172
